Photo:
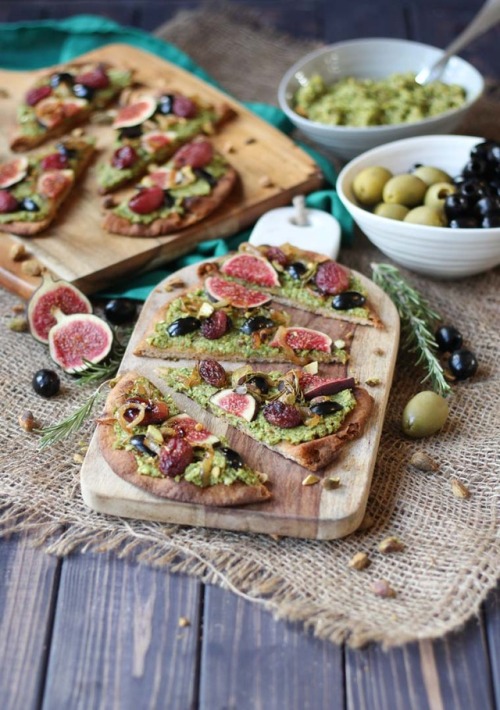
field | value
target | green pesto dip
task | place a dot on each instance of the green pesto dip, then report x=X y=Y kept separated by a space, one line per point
x=352 y=101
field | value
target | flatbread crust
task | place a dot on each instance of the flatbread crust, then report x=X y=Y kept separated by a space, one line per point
x=199 y=208
x=123 y=464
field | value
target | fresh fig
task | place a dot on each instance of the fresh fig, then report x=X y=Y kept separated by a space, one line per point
x=51 y=295
x=77 y=339
x=302 y=339
x=154 y=141
x=316 y=386
x=136 y=113
x=236 y=295
x=251 y=268
x=191 y=430
x=13 y=171
x=241 y=405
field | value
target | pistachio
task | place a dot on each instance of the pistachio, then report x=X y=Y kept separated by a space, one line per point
x=228 y=147
x=423 y=462
x=31 y=267
x=265 y=181
x=330 y=483
x=249 y=141
x=27 y=421
x=18 y=308
x=77 y=458
x=108 y=202
x=458 y=489
x=382 y=588
x=359 y=561
x=391 y=544
x=366 y=523
x=379 y=351
x=19 y=324
x=18 y=252
x=310 y=480
x=174 y=284
x=184 y=621
x=339 y=344
x=373 y=381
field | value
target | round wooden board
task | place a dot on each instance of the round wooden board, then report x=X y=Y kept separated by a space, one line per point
x=294 y=510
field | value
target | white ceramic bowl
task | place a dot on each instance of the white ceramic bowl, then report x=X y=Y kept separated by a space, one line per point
x=376 y=59
x=439 y=252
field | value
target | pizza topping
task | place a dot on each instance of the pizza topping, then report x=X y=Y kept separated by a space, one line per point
x=197 y=154
x=48 y=297
x=53 y=183
x=184 y=107
x=256 y=323
x=216 y=325
x=165 y=104
x=251 y=268
x=13 y=172
x=325 y=406
x=235 y=294
x=183 y=326
x=348 y=299
x=331 y=278
x=95 y=79
x=188 y=428
x=54 y=161
x=155 y=141
x=302 y=339
x=36 y=94
x=135 y=113
x=280 y=414
x=240 y=405
x=140 y=410
x=29 y=205
x=297 y=270
x=148 y=199
x=175 y=456
x=52 y=111
x=276 y=255
x=8 y=202
x=138 y=441
x=124 y=157
x=61 y=78
x=316 y=385
x=213 y=373
x=233 y=458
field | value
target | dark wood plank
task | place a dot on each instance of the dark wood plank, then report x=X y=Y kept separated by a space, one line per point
x=448 y=674
x=356 y=20
x=250 y=661
x=28 y=584
x=492 y=623
x=117 y=640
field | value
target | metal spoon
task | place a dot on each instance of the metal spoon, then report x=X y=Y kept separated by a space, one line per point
x=487 y=17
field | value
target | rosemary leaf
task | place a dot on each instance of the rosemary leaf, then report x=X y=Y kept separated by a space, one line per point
x=417 y=323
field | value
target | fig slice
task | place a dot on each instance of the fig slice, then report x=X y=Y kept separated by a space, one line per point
x=191 y=430
x=316 y=385
x=252 y=269
x=153 y=141
x=302 y=339
x=78 y=339
x=235 y=294
x=13 y=172
x=240 y=405
x=50 y=295
x=135 y=113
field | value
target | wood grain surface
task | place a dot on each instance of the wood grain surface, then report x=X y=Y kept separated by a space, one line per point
x=296 y=510
x=271 y=167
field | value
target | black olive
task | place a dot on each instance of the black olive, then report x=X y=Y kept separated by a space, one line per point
x=183 y=326
x=481 y=149
x=67 y=152
x=83 y=92
x=233 y=458
x=463 y=364
x=46 y=383
x=205 y=175
x=131 y=132
x=61 y=78
x=348 y=299
x=138 y=442
x=165 y=104
x=168 y=200
x=464 y=222
x=491 y=221
x=473 y=189
x=260 y=383
x=475 y=167
x=326 y=407
x=255 y=323
x=120 y=310
x=29 y=205
x=296 y=270
x=448 y=338
x=487 y=205
x=493 y=156
x=456 y=205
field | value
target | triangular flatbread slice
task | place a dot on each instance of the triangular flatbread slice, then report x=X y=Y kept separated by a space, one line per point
x=149 y=442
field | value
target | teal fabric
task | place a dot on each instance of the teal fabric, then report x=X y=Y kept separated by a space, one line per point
x=32 y=45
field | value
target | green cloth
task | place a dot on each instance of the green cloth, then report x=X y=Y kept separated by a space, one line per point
x=33 y=45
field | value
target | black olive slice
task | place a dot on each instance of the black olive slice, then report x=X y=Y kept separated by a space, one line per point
x=183 y=326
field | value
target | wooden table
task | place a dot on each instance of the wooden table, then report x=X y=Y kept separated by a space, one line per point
x=94 y=631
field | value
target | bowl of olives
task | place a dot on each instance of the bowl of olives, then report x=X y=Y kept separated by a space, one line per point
x=355 y=95
x=430 y=203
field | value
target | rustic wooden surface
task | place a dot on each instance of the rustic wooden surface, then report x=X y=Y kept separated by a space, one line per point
x=76 y=247
x=129 y=650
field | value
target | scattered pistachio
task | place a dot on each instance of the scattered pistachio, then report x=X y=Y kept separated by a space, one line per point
x=366 y=523
x=27 y=421
x=77 y=132
x=373 y=381
x=423 y=462
x=184 y=621
x=4 y=94
x=228 y=147
x=458 y=489
x=275 y=537
x=18 y=308
x=382 y=588
x=310 y=480
x=108 y=202
x=339 y=344
x=173 y=284
x=391 y=544
x=330 y=483
x=101 y=118
x=77 y=458
x=265 y=181
x=19 y=324
x=18 y=252
x=379 y=351
x=31 y=267
x=359 y=561
x=249 y=141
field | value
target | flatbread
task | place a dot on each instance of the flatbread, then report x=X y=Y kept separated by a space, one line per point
x=123 y=464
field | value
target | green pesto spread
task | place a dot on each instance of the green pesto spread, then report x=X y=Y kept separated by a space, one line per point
x=220 y=471
x=259 y=428
x=234 y=341
x=352 y=101
x=296 y=290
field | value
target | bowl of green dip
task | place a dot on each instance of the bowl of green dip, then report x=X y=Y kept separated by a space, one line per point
x=353 y=96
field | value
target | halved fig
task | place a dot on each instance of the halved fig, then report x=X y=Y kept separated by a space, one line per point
x=316 y=386
x=241 y=405
x=191 y=430
x=53 y=183
x=235 y=294
x=136 y=113
x=302 y=339
x=251 y=268
x=154 y=141
x=79 y=339
x=52 y=111
x=13 y=172
x=49 y=296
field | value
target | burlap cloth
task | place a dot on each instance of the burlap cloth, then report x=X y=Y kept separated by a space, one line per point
x=451 y=557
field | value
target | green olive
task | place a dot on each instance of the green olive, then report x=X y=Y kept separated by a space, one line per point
x=369 y=184
x=391 y=211
x=424 y=414
x=436 y=194
x=405 y=189
x=430 y=175
x=430 y=216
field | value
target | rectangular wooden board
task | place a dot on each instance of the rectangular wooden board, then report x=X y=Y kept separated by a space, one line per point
x=294 y=510
x=272 y=169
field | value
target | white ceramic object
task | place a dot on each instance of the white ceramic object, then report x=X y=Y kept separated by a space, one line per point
x=376 y=59
x=300 y=226
x=439 y=252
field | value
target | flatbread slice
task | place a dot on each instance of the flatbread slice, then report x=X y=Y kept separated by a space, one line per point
x=211 y=477
x=192 y=185
x=282 y=415
x=33 y=188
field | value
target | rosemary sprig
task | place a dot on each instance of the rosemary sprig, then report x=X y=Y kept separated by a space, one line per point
x=66 y=427
x=107 y=369
x=417 y=322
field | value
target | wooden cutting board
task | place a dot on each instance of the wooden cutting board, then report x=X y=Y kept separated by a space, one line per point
x=272 y=171
x=294 y=510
